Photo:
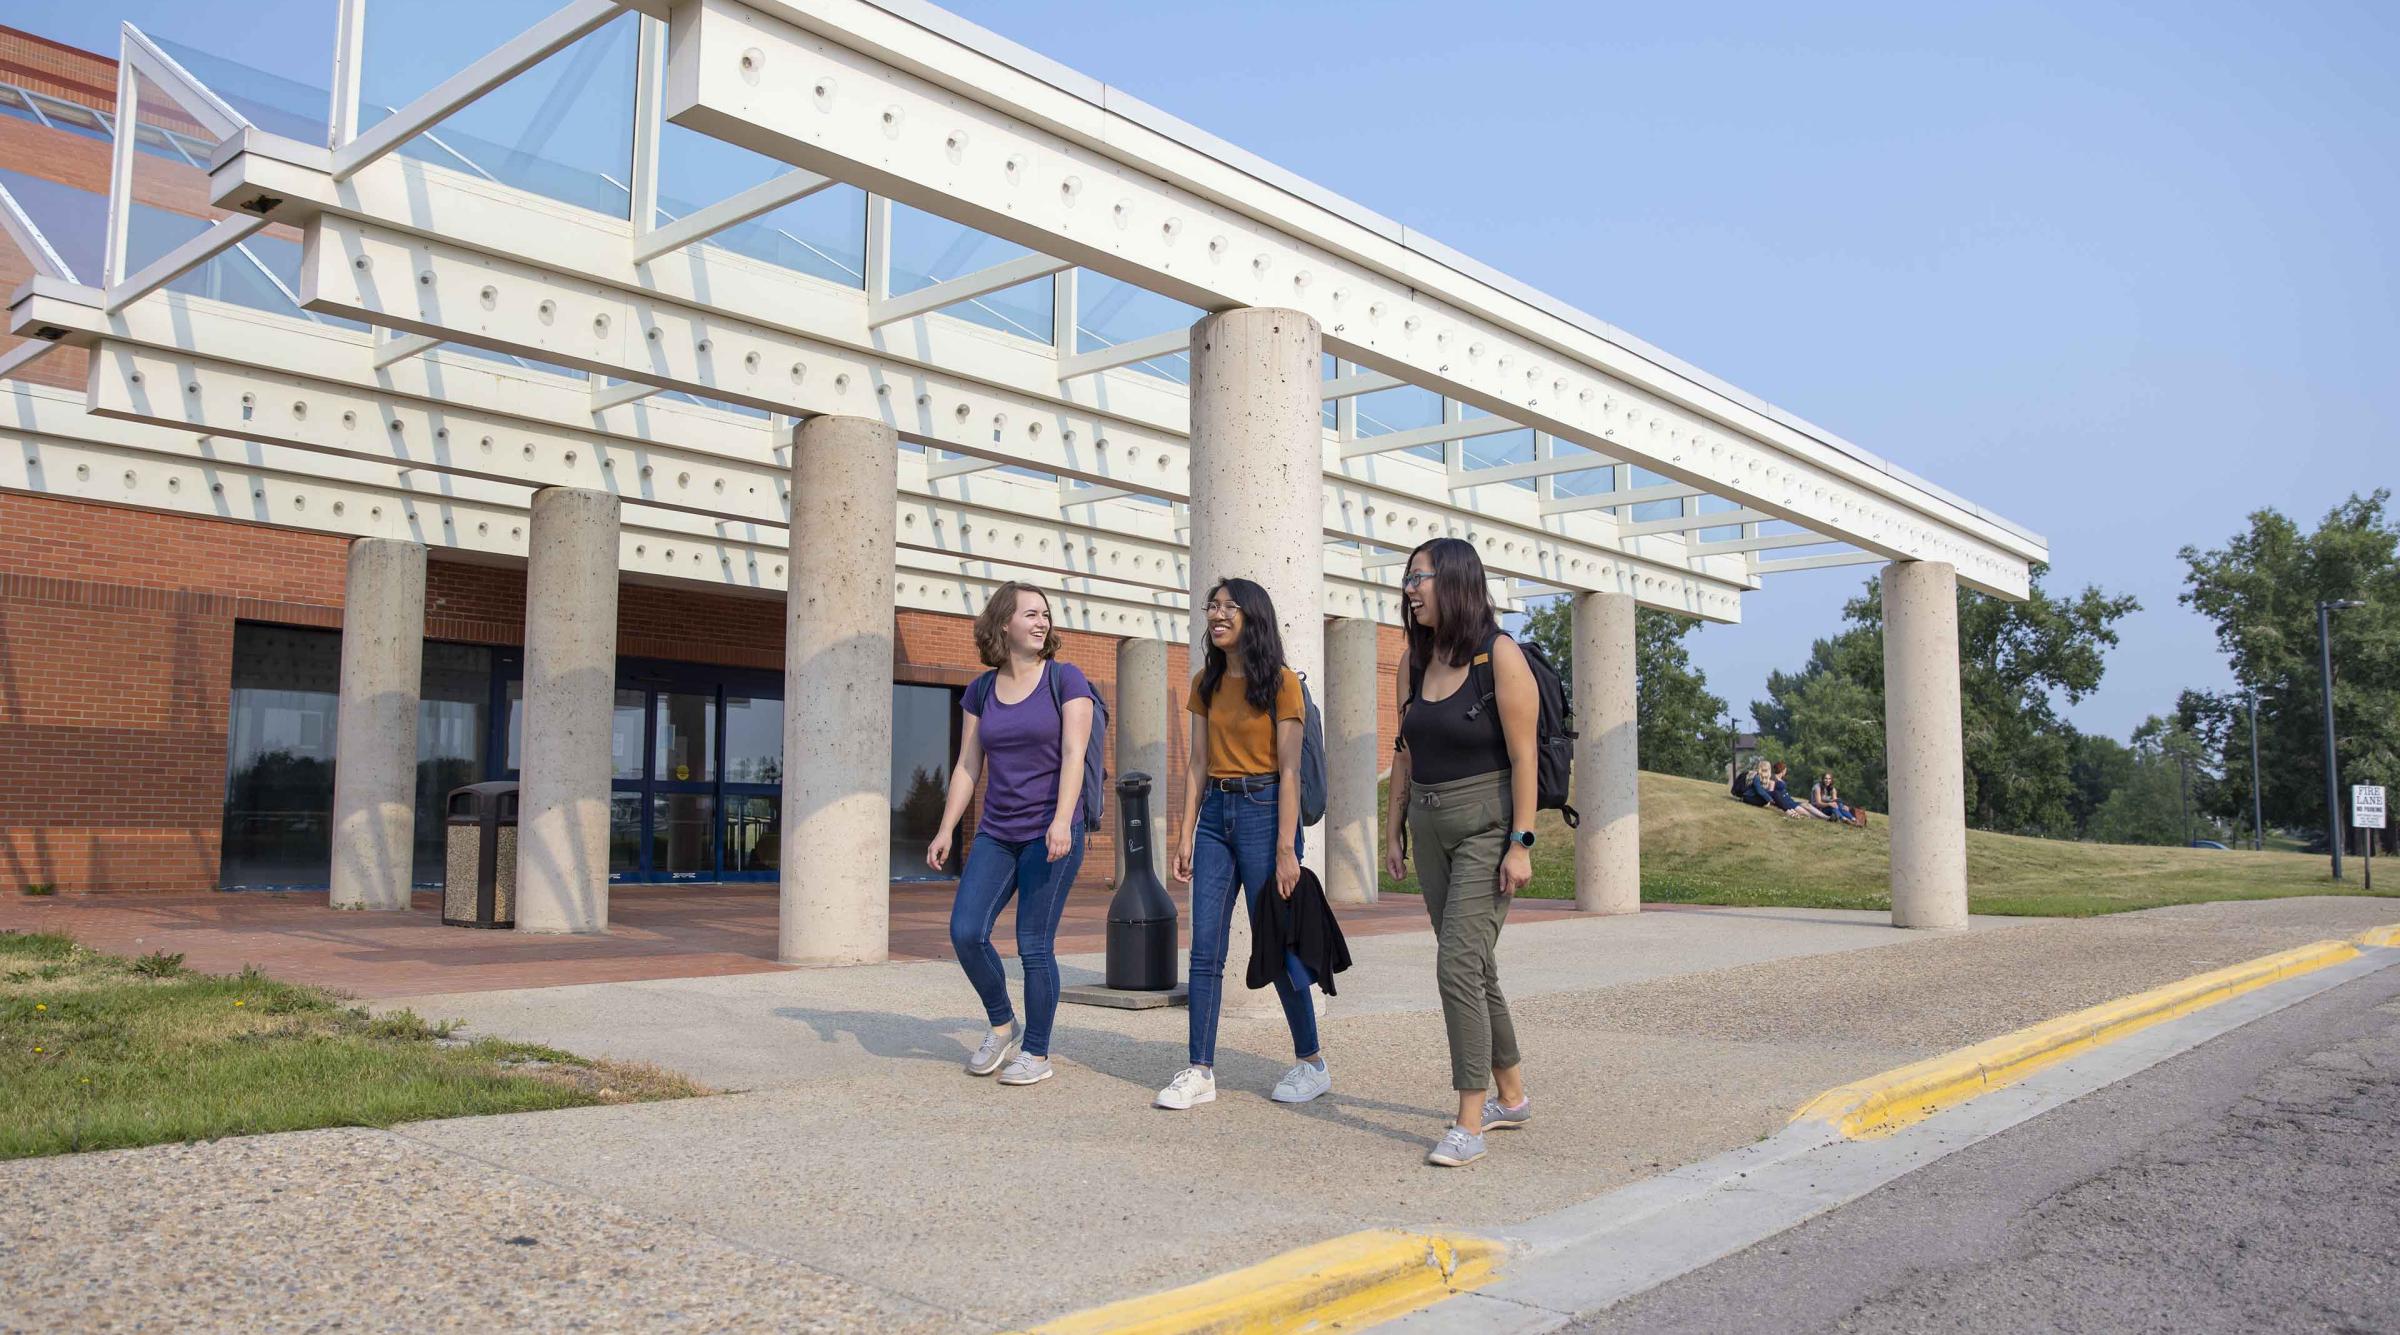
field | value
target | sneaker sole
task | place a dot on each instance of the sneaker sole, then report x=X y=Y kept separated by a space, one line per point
x=1492 y=1124
x=1209 y=1097
x=1306 y=1098
x=1439 y=1161
x=1034 y=1081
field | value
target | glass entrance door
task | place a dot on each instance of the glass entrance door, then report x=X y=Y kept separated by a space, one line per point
x=696 y=769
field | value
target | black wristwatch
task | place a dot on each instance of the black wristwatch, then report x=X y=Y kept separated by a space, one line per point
x=1521 y=838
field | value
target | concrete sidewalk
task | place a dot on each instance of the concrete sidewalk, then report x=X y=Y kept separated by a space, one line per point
x=860 y=1151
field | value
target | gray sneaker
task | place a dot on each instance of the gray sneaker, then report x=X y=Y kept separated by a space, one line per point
x=996 y=1050
x=1459 y=1147
x=1303 y=1082
x=1027 y=1069
x=1498 y=1116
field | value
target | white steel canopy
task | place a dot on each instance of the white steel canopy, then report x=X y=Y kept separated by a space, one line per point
x=1040 y=457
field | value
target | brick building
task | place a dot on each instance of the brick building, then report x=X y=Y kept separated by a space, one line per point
x=168 y=681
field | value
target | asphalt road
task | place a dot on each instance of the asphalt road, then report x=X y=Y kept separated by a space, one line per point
x=2252 y=1184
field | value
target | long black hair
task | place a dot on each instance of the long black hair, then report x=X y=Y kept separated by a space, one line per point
x=1462 y=599
x=1261 y=646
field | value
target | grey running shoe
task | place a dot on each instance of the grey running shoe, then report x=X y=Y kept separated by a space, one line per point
x=996 y=1050
x=1459 y=1147
x=1027 y=1069
x=1302 y=1083
x=1498 y=1116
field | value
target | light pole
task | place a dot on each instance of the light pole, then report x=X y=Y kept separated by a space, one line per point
x=2258 y=806
x=2333 y=781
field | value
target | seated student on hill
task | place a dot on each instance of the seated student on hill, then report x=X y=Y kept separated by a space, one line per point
x=1827 y=798
x=1756 y=786
x=1788 y=804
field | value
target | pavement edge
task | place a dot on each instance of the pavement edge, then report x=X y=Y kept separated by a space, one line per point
x=1345 y=1283
x=1884 y=1103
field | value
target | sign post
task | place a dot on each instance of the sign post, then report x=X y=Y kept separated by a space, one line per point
x=2366 y=813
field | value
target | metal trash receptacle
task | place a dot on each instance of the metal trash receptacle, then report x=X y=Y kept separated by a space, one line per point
x=1141 y=918
x=479 y=880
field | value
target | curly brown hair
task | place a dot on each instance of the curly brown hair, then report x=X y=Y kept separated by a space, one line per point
x=991 y=624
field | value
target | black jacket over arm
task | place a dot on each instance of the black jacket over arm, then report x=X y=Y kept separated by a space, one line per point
x=1303 y=924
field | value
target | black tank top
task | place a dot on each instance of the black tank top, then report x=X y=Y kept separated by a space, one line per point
x=1444 y=744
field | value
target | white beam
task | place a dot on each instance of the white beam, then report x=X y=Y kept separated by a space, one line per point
x=1827 y=561
x=400 y=347
x=1440 y=433
x=606 y=396
x=1771 y=543
x=190 y=95
x=349 y=68
x=1359 y=382
x=227 y=233
x=1610 y=500
x=1125 y=354
x=563 y=28
x=965 y=287
x=34 y=246
x=1462 y=478
x=1689 y=522
x=765 y=197
x=937 y=469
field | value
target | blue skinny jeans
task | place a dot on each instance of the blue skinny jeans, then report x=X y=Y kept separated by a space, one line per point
x=996 y=870
x=1235 y=846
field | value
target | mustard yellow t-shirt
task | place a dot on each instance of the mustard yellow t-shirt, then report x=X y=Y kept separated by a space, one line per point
x=1241 y=739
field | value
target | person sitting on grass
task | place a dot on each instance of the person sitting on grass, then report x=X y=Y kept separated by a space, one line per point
x=1757 y=786
x=1827 y=798
x=1788 y=804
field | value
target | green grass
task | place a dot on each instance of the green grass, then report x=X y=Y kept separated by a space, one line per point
x=1699 y=846
x=103 y=1052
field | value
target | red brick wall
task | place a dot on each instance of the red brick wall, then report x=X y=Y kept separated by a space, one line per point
x=116 y=643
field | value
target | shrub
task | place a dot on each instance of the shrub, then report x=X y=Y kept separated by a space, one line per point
x=159 y=964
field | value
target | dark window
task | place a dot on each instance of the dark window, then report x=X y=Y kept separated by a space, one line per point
x=279 y=757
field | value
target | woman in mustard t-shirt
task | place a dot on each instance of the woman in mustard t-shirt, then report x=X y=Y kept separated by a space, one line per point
x=1241 y=828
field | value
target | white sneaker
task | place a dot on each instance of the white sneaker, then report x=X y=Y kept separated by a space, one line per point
x=1194 y=1084
x=1302 y=1083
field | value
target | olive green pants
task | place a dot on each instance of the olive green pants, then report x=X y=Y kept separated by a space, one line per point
x=1458 y=832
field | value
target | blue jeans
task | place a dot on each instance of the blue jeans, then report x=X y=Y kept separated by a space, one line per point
x=1236 y=844
x=996 y=870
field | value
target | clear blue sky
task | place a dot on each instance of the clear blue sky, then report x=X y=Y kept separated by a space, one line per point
x=2122 y=276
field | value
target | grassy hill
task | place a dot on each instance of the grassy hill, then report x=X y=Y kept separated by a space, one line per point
x=1699 y=846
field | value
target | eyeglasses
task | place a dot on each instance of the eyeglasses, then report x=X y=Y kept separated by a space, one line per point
x=1414 y=578
x=1223 y=609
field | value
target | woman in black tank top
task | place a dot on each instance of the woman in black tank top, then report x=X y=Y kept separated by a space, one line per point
x=1463 y=782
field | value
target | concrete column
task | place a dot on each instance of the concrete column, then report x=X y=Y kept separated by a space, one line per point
x=570 y=699
x=1922 y=742
x=1139 y=728
x=837 y=695
x=1353 y=837
x=1258 y=494
x=1607 y=792
x=375 y=764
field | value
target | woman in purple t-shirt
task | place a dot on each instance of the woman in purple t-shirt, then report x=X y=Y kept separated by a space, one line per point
x=1029 y=843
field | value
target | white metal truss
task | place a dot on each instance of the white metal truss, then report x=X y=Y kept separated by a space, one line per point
x=965 y=287
x=853 y=91
x=401 y=210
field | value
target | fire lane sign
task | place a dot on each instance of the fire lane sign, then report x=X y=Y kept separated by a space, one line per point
x=2366 y=806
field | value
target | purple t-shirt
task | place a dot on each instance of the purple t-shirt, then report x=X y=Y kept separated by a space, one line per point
x=1021 y=754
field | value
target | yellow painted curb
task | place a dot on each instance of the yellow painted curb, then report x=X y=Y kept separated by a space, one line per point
x=1882 y=1104
x=2379 y=936
x=1346 y=1283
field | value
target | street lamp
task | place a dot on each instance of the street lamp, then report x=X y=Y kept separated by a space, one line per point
x=2258 y=806
x=2333 y=783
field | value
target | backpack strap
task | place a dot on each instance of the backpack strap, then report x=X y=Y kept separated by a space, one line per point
x=1479 y=676
x=979 y=691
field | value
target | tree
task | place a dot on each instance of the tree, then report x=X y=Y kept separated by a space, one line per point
x=1683 y=728
x=2016 y=659
x=2261 y=589
x=2159 y=800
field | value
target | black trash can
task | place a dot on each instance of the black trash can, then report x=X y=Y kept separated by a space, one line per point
x=479 y=880
x=1141 y=918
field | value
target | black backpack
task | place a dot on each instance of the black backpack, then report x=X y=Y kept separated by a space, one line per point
x=1553 y=732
